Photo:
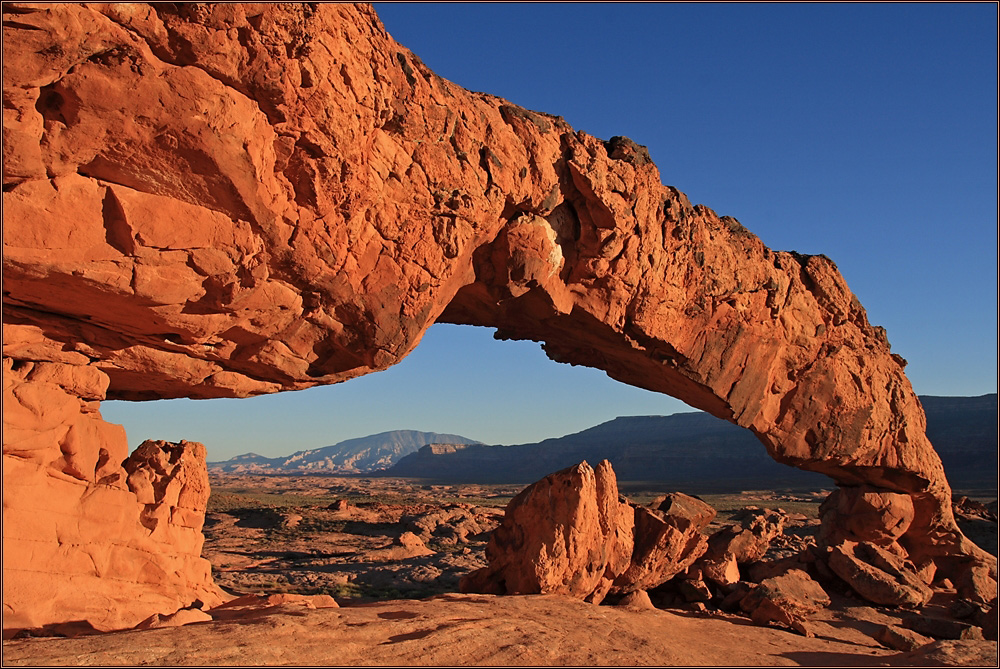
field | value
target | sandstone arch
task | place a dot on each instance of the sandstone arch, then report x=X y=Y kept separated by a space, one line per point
x=227 y=200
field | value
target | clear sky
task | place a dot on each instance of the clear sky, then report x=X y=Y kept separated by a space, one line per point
x=866 y=132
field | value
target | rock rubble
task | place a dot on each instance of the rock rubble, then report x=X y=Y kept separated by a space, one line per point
x=554 y=540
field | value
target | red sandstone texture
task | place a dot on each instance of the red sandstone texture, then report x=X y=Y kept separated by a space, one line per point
x=739 y=544
x=88 y=533
x=572 y=534
x=568 y=534
x=233 y=199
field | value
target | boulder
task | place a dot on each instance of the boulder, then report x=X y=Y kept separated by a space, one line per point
x=668 y=540
x=720 y=569
x=943 y=628
x=786 y=600
x=900 y=638
x=764 y=569
x=740 y=544
x=685 y=512
x=406 y=545
x=636 y=600
x=694 y=590
x=410 y=540
x=566 y=534
x=864 y=513
x=988 y=620
x=733 y=595
x=977 y=582
x=965 y=653
x=878 y=575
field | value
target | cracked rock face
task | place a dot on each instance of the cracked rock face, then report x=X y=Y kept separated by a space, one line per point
x=89 y=534
x=568 y=534
x=228 y=200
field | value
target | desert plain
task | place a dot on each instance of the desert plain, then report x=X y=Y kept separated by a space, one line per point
x=390 y=553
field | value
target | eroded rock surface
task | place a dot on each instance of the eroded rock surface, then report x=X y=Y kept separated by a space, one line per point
x=740 y=544
x=225 y=200
x=451 y=524
x=89 y=535
x=786 y=600
x=667 y=540
x=567 y=534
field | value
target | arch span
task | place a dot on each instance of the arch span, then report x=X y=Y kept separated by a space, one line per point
x=227 y=200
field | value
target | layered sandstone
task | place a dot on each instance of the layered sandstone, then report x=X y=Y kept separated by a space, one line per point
x=568 y=534
x=227 y=200
x=572 y=534
x=89 y=534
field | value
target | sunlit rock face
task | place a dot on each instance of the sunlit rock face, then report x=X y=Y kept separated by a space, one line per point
x=568 y=534
x=572 y=534
x=228 y=200
x=90 y=533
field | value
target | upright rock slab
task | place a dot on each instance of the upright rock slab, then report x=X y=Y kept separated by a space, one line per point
x=668 y=540
x=572 y=534
x=223 y=200
x=567 y=534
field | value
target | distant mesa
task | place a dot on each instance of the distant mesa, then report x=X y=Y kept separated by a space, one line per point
x=352 y=456
x=443 y=449
x=698 y=451
x=691 y=450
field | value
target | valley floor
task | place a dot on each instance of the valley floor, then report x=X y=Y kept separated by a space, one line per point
x=391 y=551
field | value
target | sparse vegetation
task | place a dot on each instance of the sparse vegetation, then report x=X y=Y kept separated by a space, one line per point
x=727 y=505
x=226 y=500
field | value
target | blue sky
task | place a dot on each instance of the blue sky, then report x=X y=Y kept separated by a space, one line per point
x=863 y=131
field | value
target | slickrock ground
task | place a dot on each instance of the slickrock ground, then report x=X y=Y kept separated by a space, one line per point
x=541 y=630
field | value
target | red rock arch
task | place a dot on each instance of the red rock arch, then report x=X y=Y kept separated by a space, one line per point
x=228 y=200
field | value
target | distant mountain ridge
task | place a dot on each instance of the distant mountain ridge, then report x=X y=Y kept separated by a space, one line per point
x=692 y=450
x=363 y=454
x=964 y=433
x=700 y=452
